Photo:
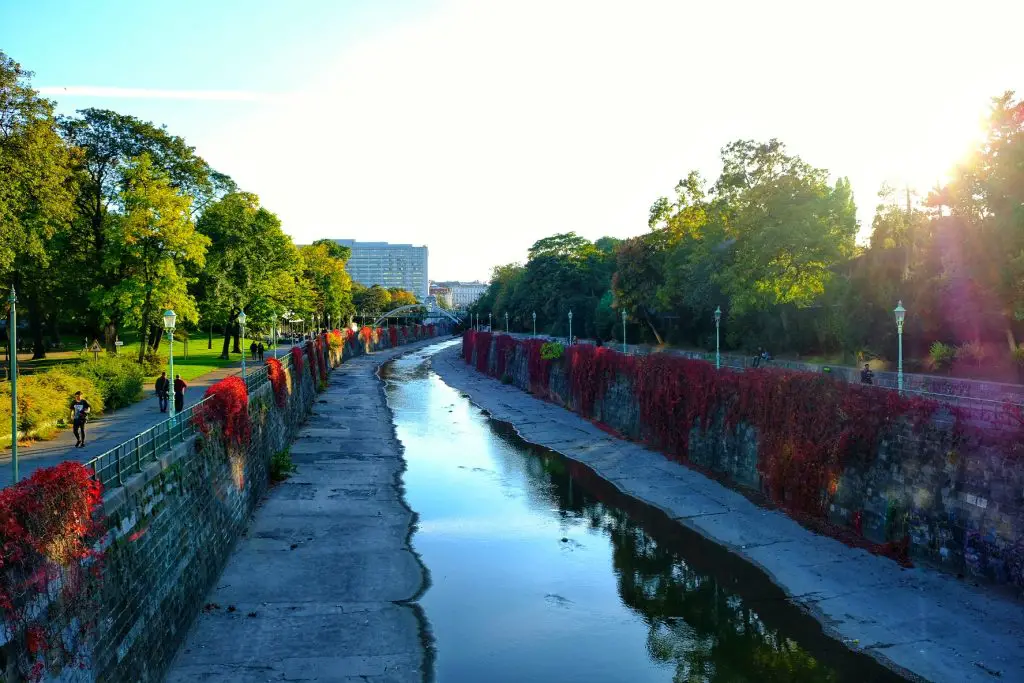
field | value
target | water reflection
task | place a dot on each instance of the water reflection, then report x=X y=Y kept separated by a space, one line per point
x=542 y=571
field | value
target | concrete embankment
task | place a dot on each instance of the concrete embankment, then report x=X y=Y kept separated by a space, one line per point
x=917 y=621
x=320 y=587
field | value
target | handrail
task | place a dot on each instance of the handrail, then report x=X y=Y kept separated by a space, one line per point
x=112 y=467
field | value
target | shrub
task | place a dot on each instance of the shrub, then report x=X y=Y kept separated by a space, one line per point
x=971 y=352
x=48 y=526
x=44 y=402
x=281 y=466
x=335 y=340
x=118 y=378
x=941 y=356
x=278 y=381
x=297 y=362
x=506 y=379
x=153 y=364
x=1017 y=355
x=551 y=351
x=229 y=407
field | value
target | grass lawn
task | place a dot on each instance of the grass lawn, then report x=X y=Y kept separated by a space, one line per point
x=200 y=360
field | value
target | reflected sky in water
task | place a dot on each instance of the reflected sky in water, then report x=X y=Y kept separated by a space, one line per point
x=542 y=572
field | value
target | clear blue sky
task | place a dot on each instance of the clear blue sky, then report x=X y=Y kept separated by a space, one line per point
x=479 y=126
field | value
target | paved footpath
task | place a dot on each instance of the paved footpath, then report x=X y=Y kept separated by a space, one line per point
x=104 y=432
x=321 y=587
x=915 y=620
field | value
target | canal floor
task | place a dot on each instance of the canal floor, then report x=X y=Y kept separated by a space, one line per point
x=541 y=571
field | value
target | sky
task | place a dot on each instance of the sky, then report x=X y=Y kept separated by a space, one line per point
x=477 y=127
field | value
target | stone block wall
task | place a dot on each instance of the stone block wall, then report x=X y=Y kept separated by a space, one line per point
x=171 y=528
x=957 y=500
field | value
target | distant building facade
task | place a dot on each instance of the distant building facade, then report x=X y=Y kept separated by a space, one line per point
x=443 y=294
x=388 y=265
x=464 y=294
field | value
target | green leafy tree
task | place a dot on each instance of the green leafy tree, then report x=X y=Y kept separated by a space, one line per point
x=372 y=301
x=148 y=244
x=251 y=265
x=324 y=269
x=36 y=197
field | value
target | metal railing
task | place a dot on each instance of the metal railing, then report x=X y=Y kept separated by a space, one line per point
x=128 y=458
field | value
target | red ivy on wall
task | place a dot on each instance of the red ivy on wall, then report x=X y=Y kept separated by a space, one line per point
x=809 y=426
x=229 y=407
x=393 y=336
x=49 y=524
x=297 y=362
x=278 y=381
x=504 y=345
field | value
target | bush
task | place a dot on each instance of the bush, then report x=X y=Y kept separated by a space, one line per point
x=118 y=378
x=281 y=466
x=506 y=379
x=44 y=402
x=1018 y=356
x=971 y=352
x=941 y=356
x=551 y=351
x=153 y=364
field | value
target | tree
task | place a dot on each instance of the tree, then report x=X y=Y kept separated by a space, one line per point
x=147 y=246
x=986 y=196
x=36 y=195
x=251 y=265
x=109 y=141
x=334 y=250
x=329 y=281
x=639 y=262
x=372 y=300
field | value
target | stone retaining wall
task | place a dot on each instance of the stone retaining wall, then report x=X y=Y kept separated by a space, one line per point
x=171 y=528
x=957 y=502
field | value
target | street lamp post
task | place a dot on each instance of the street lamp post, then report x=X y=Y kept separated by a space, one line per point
x=506 y=322
x=570 y=326
x=901 y=314
x=169 y=319
x=241 y=325
x=718 y=351
x=489 y=321
x=273 y=324
x=623 y=330
x=12 y=348
x=535 y=323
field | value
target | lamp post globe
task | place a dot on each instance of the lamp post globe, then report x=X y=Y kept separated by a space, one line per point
x=169 y=320
x=901 y=314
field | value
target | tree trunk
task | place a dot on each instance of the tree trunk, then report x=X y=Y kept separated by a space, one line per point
x=236 y=332
x=1010 y=339
x=110 y=336
x=155 y=337
x=143 y=345
x=227 y=341
x=209 y=343
x=54 y=325
x=35 y=320
x=650 y=324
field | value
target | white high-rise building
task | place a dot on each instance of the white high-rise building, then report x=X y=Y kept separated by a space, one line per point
x=388 y=265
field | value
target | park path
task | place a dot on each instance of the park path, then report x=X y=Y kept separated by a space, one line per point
x=105 y=432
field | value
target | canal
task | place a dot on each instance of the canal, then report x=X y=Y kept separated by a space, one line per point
x=541 y=571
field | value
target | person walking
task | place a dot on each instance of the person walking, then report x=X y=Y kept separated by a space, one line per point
x=163 y=388
x=260 y=350
x=79 y=413
x=252 y=350
x=179 y=393
x=866 y=376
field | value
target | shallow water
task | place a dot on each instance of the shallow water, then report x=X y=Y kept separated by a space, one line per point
x=541 y=571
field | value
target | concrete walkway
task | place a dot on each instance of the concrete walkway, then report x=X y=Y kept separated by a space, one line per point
x=320 y=587
x=917 y=620
x=103 y=433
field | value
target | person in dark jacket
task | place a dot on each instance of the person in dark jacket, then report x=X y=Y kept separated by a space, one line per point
x=866 y=376
x=79 y=412
x=179 y=393
x=252 y=351
x=259 y=351
x=163 y=388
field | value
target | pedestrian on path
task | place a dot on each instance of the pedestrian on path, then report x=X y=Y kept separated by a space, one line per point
x=179 y=393
x=163 y=388
x=260 y=350
x=866 y=376
x=79 y=413
x=253 y=350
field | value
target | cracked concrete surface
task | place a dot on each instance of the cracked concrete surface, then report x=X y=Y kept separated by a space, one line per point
x=321 y=586
x=916 y=620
